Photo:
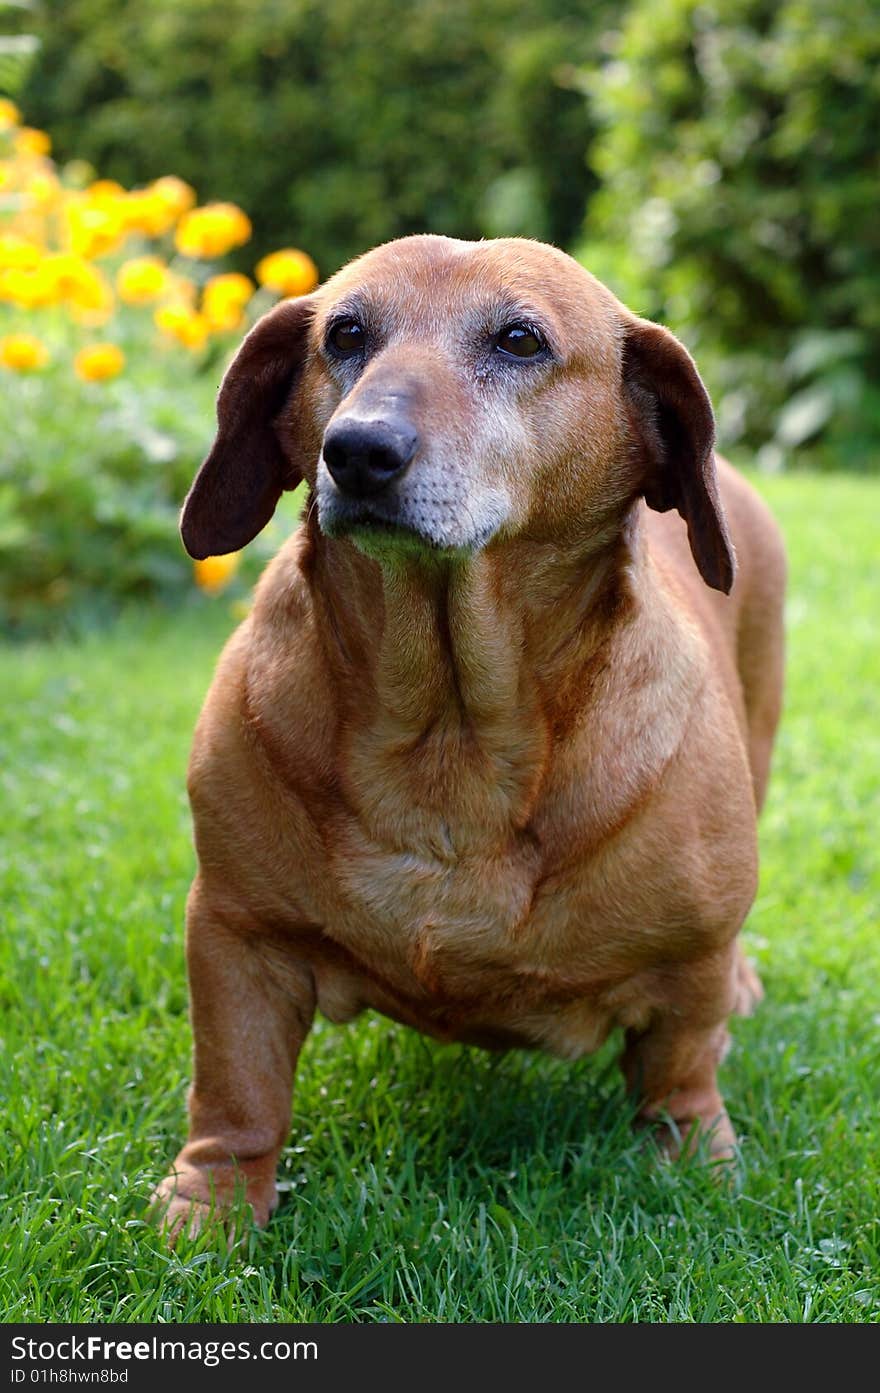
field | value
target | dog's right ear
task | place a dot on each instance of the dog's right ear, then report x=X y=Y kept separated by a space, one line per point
x=237 y=488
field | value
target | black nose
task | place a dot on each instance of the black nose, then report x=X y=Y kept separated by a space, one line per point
x=364 y=456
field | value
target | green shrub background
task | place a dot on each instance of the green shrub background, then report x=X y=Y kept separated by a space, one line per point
x=335 y=122
x=740 y=171
x=717 y=163
x=714 y=161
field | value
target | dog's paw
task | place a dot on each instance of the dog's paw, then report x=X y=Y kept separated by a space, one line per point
x=187 y=1204
x=711 y=1141
x=177 y=1215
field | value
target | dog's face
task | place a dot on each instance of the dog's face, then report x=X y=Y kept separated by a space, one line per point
x=464 y=389
x=440 y=395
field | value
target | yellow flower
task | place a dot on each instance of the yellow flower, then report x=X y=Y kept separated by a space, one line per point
x=142 y=279
x=224 y=298
x=176 y=194
x=212 y=230
x=181 y=291
x=230 y=286
x=23 y=353
x=183 y=324
x=144 y=212
x=43 y=187
x=104 y=191
x=18 y=251
x=76 y=281
x=94 y=227
x=9 y=114
x=215 y=572
x=29 y=141
x=29 y=288
x=289 y=271
x=155 y=209
x=222 y=317
x=99 y=362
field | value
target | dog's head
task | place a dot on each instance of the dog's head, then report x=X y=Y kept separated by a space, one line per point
x=445 y=395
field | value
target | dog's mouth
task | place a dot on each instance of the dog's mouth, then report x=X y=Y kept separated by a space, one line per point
x=382 y=537
x=395 y=523
x=428 y=512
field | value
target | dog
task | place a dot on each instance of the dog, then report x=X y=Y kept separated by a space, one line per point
x=487 y=753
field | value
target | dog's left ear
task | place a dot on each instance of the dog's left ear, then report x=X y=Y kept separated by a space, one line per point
x=237 y=488
x=671 y=419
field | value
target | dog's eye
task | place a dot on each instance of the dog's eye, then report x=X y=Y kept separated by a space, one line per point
x=519 y=341
x=347 y=336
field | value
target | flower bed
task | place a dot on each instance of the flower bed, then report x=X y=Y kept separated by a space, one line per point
x=116 y=321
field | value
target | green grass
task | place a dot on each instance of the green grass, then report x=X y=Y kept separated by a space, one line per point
x=429 y=1182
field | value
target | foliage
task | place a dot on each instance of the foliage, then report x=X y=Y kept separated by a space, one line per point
x=739 y=170
x=114 y=324
x=337 y=123
x=725 y=154
x=426 y=1182
x=18 y=46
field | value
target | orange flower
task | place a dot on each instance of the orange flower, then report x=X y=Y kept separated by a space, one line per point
x=212 y=230
x=104 y=191
x=215 y=572
x=99 y=362
x=289 y=271
x=23 y=353
x=29 y=141
x=9 y=114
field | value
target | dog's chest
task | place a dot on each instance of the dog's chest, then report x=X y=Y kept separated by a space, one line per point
x=466 y=882
x=468 y=948
x=433 y=858
x=430 y=914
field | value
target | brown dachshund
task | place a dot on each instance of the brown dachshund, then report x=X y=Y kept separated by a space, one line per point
x=487 y=753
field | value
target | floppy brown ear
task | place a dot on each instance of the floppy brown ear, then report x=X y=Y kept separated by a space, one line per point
x=237 y=488
x=671 y=417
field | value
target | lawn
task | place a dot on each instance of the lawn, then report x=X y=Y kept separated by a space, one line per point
x=426 y=1182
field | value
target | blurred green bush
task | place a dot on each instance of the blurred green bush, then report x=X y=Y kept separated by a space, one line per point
x=724 y=151
x=91 y=486
x=714 y=161
x=740 y=171
x=336 y=124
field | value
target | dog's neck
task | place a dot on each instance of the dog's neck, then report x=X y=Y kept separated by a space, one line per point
x=462 y=638
x=461 y=674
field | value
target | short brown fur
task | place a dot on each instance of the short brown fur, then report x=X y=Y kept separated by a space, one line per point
x=504 y=787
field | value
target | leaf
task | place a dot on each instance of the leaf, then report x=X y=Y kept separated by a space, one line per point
x=804 y=415
x=815 y=351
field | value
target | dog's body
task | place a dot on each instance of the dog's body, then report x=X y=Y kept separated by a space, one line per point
x=487 y=753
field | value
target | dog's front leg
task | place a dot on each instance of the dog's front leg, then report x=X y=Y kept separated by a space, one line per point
x=671 y=1067
x=252 y=1005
